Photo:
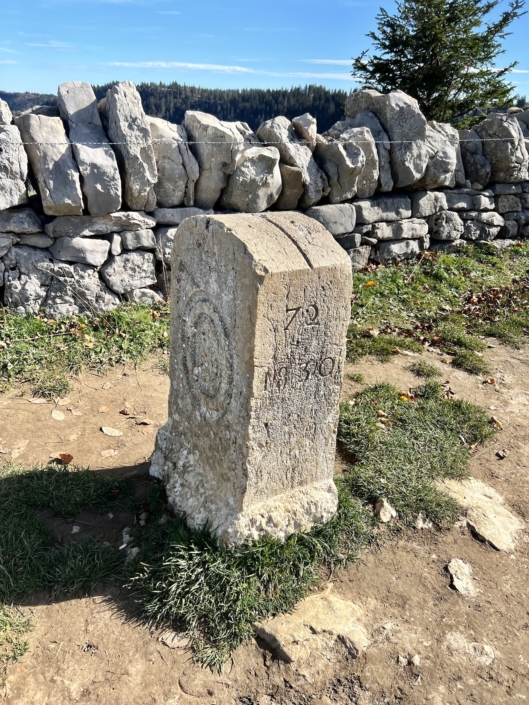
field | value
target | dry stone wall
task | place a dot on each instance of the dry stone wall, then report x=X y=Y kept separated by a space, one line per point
x=91 y=194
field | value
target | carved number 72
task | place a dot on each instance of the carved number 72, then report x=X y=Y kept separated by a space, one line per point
x=312 y=312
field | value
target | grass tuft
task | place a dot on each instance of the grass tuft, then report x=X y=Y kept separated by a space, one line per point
x=13 y=645
x=424 y=369
x=356 y=377
x=470 y=362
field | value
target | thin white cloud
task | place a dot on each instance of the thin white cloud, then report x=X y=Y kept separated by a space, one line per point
x=51 y=45
x=519 y=70
x=332 y=62
x=9 y=51
x=7 y=61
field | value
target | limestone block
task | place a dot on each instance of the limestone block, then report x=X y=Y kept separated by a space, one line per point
x=39 y=240
x=506 y=189
x=506 y=204
x=504 y=147
x=21 y=222
x=445 y=226
x=138 y=240
x=483 y=203
x=382 y=208
x=76 y=289
x=164 y=244
x=51 y=158
x=81 y=249
x=6 y=243
x=458 y=201
x=411 y=229
x=448 y=247
x=177 y=167
x=144 y=296
x=13 y=168
x=359 y=257
x=402 y=120
x=129 y=131
x=442 y=160
x=342 y=164
x=6 y=116
x=26 y=282
x=425 y=203
x=280 y=133
x=255 y=185
x=490 y=218
x=452 y=135
x=352 y=241
x=116 y=246
x=359 y=138
x=396 y=250
x=175 y=216
x=216 y=146
x=291 y=187
x=128 y=271
x=307 y=129
x=88 y=225
x=477 y=166
x=475 y=230
x=100 y=180
x=338 y=219
x=260 y=309
x=510 y=229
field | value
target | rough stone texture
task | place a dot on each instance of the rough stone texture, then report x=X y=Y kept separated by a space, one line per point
x=144 y=296
x=506 y=204
x=316 y=623
x=359 y=257
x=482 y=202
x=445 y=226
x=291 y=189
x=404 y=123
x=13 y=168
x=442 y=161
x=76 y=289
x=342 y=163
x=461 y=575
x=506 y=189
x=6 y=116
x=383 y=208
x=307 y=129
x=36 y=240
x=100 y=180
x=81 y=249
x=26 y=284
x=175 y=216
x=127 y=127
x=485 y=512
x=458 y=201
x=256 y=183
x=6 y=243
x=338 y=219
x=87 y=225
x=280 y=133
x=51 y=158
x=260 y=309
x=384 y=511
x=359 y=139
x=475 y=230
x=164 y=244
x=411 y=229
x=504 y=147
x=217 y=161
x=477 y=166
x=396 y=250
x=449 y=247
x=128 y=271
x=21 y=222
x=425 y=203
x=452 y=136
x=116 y=246
x=459 y=646
x=176 y=166
x=138 y=240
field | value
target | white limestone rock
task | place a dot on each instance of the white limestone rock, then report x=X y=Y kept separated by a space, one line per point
x=452 y=136
x=359 y=138
x=175 y=216
x=13 y=168
x=445 y=225
x=144 y=296
x=448 y=247
x=392 y=251
x=83 y=250
x=504 y=147
x=477 y=166
x=23 y=221
x=402 y=120
x=51 y=158
x=6 y=243
x=39 y=240
x=164 y=244
x=280 y=133
x=425 y=203
x=359 y=257
x=138 y=240
x=508 y=204
x=6 y=116
x=129 y=131
x=26 y=281
x=307 y=129
x=128 y=271
x=442 y=161
x=76 y=289
x=100 y=179
x=291 y=187
x=255 y=185
x=384 y=511
x=458 y=201
x=411 y=229
x=177 y=167
x=338 y=219
x=475 y=230
x=461 y=574
x=342 y=164
x=88 y=225
x=382 y=208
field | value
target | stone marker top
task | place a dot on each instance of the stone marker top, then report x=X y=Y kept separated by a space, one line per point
x=260 y=310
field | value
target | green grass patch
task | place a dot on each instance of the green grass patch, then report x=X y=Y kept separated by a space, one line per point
x=424 y=369
x=471 y=363
x=13 y=642
x=356 y=377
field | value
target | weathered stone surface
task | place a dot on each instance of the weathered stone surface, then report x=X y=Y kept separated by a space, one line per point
x=510 y=229
x=116 y=246
x=164 y=244
x=138 y=240
x=100 y=180
x=255 y=185
x=177 y=167
x=448 y=247
x=342 y=163
x=489 y=218
x=458 y=201
x=384 y=511
x=175 y=216
x=452 y=135
x=50 y=155
x=485 y=512
x=26 y=283
x=504 y=147
x=393 y=251
x=13 y=168
x=280 y=133
x=76 y=289
x=351 y=241
x=128 y=271
x=81 y=249
x=316 y=623
x=506 y=204
x=461 y=574
x=411 y=229
x=425 y=203
x=383 y=208
x=291 y=189
x=445 y=226
x=482 y=202
x=404 y=124
x=129 y=131
x=477 y=166
x=6 y=243
x=475 y=230
x=307 y=129
x=354 y=140
x=216 y=146
x=6 y=116
x=338 y=219
x=442 y=160
x=21 y=222
x=144 y=296
x=506 y=189
x=459 y=646
x=359 y=257
x=39 y=240
x=260 y=309
x=87 y=225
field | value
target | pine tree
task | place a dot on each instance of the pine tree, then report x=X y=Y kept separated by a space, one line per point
x=443 y=53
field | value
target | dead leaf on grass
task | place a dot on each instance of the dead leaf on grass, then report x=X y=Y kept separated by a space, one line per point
x=496 y=423
x=109 y=453
x=57 y=415
x=63 y=458
x=108 y=431
x=502 y=454
x=144 y=422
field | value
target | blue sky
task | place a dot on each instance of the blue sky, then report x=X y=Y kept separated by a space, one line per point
x=232 y=43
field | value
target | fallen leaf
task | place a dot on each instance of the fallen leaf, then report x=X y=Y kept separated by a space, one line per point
x=373 y=332
x=489 y=380
x=494 y=421
x=109 y=453
x=66 y=458
x=370 y=283
x=37 y=400
x=74 y=412
x=57 y=415
x=381 y=413
x=126 y=411
x=144 y=422
x=103 y=409
x=111 y=431
x=446 y=360
x=502 y=454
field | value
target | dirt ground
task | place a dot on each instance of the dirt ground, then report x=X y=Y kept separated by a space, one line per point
x=95 y=650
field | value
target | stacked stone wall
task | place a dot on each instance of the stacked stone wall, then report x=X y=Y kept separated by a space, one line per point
x=91 y=194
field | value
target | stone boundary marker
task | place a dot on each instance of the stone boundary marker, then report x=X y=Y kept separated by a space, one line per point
x=259 y=315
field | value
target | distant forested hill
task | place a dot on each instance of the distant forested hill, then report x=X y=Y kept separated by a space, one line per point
x=251 y=105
